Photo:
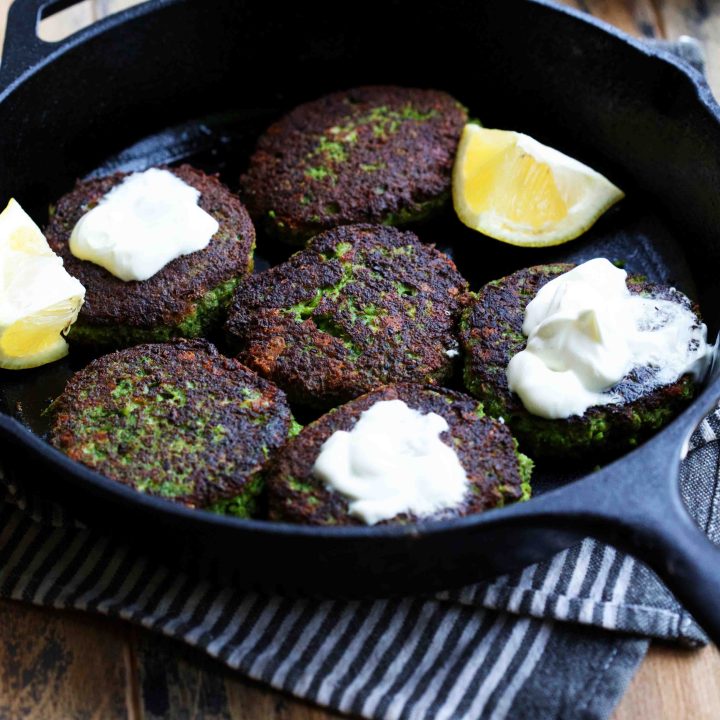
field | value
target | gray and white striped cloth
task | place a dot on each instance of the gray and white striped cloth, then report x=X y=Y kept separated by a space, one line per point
x=492 y=650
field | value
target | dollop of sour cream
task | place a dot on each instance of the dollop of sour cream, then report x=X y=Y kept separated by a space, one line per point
x=586 y=332
x=393 y=461
x=142 y=224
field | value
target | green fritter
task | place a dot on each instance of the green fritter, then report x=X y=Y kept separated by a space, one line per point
x=186 y=298
x=497 y=473
x=491 y=334
x=360 y=307
x=176 y=420
x=379 y=154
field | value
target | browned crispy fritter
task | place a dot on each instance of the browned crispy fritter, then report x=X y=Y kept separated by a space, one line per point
x=177 y=420
x=491 y=333
x=496 y=472
x=362 y=306
x=184 y=298
x=378 y=154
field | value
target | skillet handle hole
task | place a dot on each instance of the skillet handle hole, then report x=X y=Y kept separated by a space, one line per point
x=61 y=19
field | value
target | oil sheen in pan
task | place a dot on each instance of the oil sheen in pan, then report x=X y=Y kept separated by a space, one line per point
x=631 y=233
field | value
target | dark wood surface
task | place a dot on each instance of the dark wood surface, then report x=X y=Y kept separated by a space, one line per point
x=63 y=665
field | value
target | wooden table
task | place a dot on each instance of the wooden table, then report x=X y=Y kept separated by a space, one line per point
x=66 y=665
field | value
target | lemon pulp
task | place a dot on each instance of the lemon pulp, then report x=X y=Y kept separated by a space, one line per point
x=39 y=300
x=510 y=187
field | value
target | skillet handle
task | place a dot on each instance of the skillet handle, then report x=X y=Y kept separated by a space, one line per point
x=636 y=505
x=662 y=533
x=24 y=50
x=689 y=563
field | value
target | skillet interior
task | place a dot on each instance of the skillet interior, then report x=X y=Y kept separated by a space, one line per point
x=630 y=115
x=632 y=233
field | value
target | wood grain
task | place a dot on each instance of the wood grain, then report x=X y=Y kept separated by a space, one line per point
x=177 y=681
x=674 y=684
x=637 y=17
x=63 y=665
x=251 y=701
x=699 y=19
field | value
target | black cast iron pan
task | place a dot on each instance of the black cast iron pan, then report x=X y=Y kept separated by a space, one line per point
x=177 y=79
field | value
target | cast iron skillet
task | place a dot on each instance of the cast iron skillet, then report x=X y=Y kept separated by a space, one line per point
x=102 y=99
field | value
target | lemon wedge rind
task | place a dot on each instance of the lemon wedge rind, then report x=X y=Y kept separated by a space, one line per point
x=57 y=351
x=39 y=299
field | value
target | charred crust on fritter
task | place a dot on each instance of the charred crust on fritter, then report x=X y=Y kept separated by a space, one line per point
x=378 y=154
x=360 y=307
x=177 y=420
x=491 y=334
x=485 y=448
x=159 y=307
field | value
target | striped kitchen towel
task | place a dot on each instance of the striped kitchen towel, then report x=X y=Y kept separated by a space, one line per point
x=491 y=650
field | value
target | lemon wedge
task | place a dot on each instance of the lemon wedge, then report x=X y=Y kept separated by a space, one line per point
x=39 y=300
x=514 y=189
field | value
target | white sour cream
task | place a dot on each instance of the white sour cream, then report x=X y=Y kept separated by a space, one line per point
x=393 y=461
x=586 y=332
x=142 y=224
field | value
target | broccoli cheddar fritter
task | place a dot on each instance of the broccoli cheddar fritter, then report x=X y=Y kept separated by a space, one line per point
x=497 y=473
x=362 y=306
x=186 y=298
x=379 y=154
x=176 y=420
x=491 y=334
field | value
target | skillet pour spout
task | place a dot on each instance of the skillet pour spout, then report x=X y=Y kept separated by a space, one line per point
x=634 y=113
